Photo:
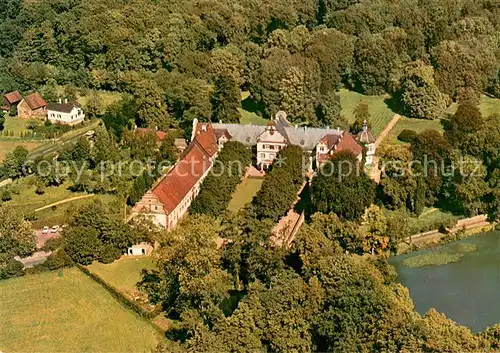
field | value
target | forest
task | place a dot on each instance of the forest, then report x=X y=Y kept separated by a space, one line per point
x=185 y=59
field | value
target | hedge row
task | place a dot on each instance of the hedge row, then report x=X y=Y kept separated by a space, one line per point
x=121 y=297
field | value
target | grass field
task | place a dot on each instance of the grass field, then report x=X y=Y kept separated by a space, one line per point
x=123 y=274
x=417 y=125
x=487 y=106
x=7 y=146
x=430 y=216
x=244 y=193
x=107 y=97
x=68 y=313
x=380 y=113
x=26 y=200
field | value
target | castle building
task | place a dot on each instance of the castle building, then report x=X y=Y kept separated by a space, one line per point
x=169 y=199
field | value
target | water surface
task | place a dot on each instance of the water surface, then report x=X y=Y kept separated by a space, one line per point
x=466 y=291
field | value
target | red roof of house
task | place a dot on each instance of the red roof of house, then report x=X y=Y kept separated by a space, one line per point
x=196 y=160
x=35 y=101
x=160 y=135
x=13 y=97
x=172 y=189
x=348 y=143
x=330 y=140
x=205 y=138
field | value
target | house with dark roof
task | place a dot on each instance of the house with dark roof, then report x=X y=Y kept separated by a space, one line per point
x=65 y=113
x=169 y=199
x=10 y=100
x=32 y=106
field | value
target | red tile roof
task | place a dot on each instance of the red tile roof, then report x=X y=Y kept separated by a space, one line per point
x=330 y=140
x=172 y=189
x=160 y=135
x=348 y=143
x=35 y=101
x=13 y=97
x=205 y=138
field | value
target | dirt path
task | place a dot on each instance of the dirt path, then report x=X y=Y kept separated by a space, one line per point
x=375 y=172
x=387 y=129
x=64 y=201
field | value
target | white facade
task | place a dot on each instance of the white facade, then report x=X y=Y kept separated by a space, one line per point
x=269 y=143
x=62 y=116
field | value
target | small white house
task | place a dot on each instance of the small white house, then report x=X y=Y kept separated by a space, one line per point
x=141 y=249
x=65 y=113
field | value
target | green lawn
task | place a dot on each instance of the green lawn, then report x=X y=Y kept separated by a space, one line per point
x=26 y=200
x=417 y=125
x=248 y=111
x=487 y=106
x=107 y=97
x=68 y=313
x=380 y=113
x=429 y=217
x=6 y=146
x=244 y=193
x=123 y=274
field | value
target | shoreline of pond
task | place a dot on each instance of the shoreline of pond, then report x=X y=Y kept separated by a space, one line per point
x=465 y=290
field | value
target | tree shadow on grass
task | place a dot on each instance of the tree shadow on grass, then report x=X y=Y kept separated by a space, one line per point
x=394 y=104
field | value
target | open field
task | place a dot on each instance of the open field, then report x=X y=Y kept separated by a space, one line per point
x=380 y=113
x=107 y=97
x=62 y=213
x=430 y=216
x=68 y=313
x=487 y=106
x=417 y=125
x=244 y=193
x=123 y=274
x=6 y=146
x=26 y=200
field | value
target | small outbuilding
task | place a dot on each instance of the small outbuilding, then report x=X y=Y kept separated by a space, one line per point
x=141 y=249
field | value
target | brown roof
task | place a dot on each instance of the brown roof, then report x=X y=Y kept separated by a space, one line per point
x=13 y=97
x=222 y=132
x=348 y=143
x=35 y=101
x=172 y=189
x=330 y=140
x=205 y=138
x=160 y=135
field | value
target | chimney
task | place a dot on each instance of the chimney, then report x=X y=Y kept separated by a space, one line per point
x=156 y=127
x=66 y=100
x=327 y=127
x=296 y=126
x=59 y=100
x=220 y=121
x=338 y=128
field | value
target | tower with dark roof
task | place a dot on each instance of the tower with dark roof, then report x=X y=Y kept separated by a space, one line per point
x=365 y=138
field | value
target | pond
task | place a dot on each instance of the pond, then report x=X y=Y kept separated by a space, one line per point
x=466 y=287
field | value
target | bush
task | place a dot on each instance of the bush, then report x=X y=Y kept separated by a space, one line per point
x=57 y=260
x=6 y=195
x=109 y=254
x=13 y=269
x=407 y=135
